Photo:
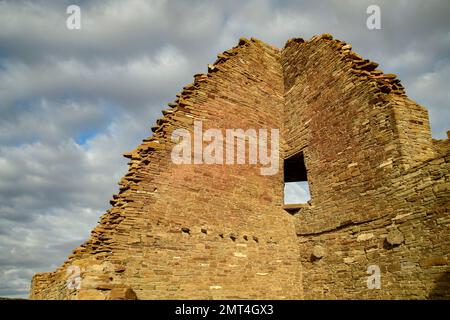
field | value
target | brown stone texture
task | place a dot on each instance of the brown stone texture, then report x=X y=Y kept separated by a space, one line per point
x=380 y=191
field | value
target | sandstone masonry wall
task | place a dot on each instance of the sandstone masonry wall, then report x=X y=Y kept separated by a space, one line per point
x=374 y=176
x=380 y=191
x=197 y=231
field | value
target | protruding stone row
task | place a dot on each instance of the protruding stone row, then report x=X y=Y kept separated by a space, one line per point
x=183 y=102
x=139 y=157
x=365 y=69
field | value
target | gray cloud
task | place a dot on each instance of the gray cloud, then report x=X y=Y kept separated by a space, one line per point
x=129 y=84
x=52 y=121
x=71 y=102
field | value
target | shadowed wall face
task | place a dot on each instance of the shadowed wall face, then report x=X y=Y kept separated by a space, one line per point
x=379 y=184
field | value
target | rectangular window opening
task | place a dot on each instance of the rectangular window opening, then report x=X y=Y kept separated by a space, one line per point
x=296 y=187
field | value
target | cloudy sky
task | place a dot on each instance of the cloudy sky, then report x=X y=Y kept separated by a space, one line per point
x=72 y=101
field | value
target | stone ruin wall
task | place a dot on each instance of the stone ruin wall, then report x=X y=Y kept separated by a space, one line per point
x=196 y=231
x=379 y=186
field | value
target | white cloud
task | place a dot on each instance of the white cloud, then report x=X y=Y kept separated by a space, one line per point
x=296 y=192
